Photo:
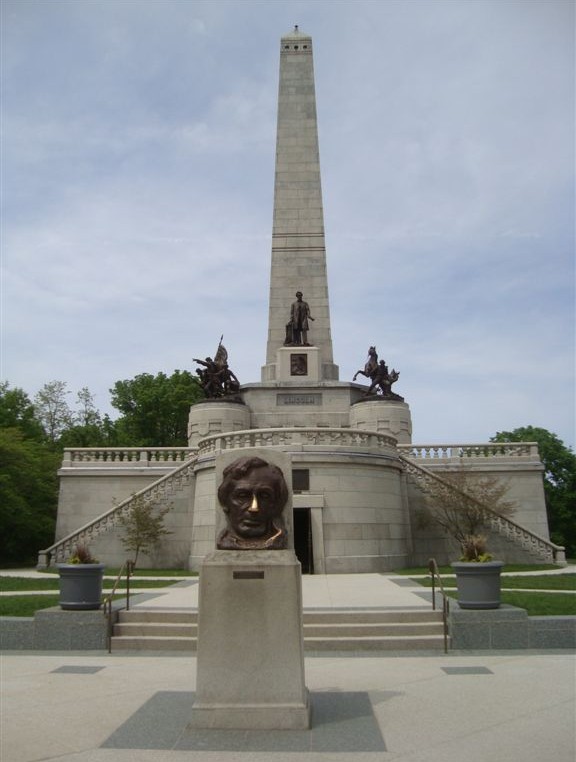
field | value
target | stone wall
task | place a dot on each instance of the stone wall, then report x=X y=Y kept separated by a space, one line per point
x=87 y=493
x=366 y=528
x=364 y=508
x=55 y=630
x=509 y=628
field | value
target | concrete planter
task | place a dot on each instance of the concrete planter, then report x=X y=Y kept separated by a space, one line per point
x=478 y=584
x=81 y=586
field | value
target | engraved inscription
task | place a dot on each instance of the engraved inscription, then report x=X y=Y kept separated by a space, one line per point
x=248 y=575
x=299 y=399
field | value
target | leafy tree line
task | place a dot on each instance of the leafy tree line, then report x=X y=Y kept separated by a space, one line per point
x=33 y=432
x=153 y=412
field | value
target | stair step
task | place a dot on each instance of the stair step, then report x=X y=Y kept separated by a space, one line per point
x=351 y=630
x=401 y=615
x=153 y=643
x=310 y=617
x=156 y=629
x=361 y=629
x=177 y=616
x=405 y=643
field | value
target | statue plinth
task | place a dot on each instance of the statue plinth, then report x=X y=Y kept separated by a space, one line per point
x=296 y=364
x=250 y=672
x=216 y=416
x=384 y=415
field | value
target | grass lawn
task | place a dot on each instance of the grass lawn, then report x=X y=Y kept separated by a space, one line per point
x=28 y=605
x=537 y=602
x=544 y=582
x=540 y=604
x=22 y=584
x=419 y=570
x=114 y=571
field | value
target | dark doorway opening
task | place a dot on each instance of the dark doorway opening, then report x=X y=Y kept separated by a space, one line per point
x=303 y=539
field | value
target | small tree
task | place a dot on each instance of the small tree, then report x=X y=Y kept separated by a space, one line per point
x=461 y=505
x=52 y=409
x=143 y=527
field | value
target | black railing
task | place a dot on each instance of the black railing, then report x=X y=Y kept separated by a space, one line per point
x=435 y=576
x=127 y=568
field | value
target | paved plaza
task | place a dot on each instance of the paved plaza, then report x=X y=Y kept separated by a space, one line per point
x=414 y=707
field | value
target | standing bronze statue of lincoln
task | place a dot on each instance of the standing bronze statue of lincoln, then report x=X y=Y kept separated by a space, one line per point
x=297 y=328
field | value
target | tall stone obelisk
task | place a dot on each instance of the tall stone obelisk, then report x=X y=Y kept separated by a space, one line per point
x=298 y=246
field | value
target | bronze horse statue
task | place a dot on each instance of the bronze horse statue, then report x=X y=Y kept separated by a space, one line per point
x=371 y=366
x=381 y=379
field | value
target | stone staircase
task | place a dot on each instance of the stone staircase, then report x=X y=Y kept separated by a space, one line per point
x=156 y=493
x=334 y=630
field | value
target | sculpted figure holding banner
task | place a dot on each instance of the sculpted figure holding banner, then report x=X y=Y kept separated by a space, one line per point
x=216 y=378
x=253 y=494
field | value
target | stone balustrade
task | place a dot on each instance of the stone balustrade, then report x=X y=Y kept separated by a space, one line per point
x=82 y=457
x=296 y=437
x=87 y=457
x=446 y=452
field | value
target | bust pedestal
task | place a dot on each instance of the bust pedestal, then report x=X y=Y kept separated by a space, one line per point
x=250 y=671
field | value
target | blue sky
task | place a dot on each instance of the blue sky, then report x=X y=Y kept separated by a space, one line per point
x=138 y=165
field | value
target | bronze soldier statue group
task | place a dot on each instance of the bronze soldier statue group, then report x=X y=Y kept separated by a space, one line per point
x=216 y=378
x=380 y=377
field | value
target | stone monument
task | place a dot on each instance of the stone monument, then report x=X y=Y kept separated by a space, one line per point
x=341 y=436
x=250 y=671
x=298 y=261
x=351 y=465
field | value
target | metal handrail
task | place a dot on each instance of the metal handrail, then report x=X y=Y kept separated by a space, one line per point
x=107 y=603
x=435 y=574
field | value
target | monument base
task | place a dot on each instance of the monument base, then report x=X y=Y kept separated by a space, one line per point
x=250 y=672
x=246 y=717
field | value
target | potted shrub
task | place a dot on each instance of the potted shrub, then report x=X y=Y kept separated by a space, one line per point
x=462 y=505
x=81 y=581
x=477 y=575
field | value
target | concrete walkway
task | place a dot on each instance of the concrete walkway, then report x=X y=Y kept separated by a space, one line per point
x=95 y=707
x=319 y=591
